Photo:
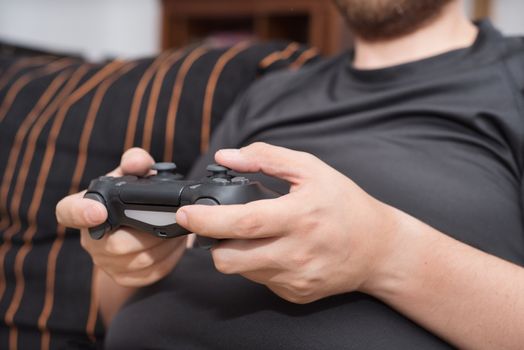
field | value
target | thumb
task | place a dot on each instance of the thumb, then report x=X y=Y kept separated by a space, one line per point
x=292 y=166
x=135 y=161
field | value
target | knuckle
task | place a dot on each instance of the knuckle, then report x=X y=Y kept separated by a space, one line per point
x=300 y=300
x=291 y=298
x=130 y=279
x=222 y=267
x=68 y=212
x=247 y=226
x=115 y=246
x=300 y=287
x=309 y=220
x=260 y=149
x=76 y=214
x=125 y=281
x=222 y=264
x=308 y=157
x=257 y=146
x=300 y=292
x=299 y=260
x=289 y=295
x=142 y=261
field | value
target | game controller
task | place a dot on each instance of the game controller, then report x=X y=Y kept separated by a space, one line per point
x=150 y=203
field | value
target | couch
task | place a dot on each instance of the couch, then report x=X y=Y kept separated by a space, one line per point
x=63 y=122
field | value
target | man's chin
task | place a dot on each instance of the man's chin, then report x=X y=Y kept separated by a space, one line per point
x=380 y=20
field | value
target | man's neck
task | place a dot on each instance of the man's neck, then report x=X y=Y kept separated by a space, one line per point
x=451 y=30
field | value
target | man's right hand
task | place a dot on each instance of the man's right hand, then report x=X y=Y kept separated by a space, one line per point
x=130 y=257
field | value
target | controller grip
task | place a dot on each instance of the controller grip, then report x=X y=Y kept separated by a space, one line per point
x=99 y=231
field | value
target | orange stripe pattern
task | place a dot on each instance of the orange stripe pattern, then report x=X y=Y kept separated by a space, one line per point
x=175 y=100
x=205 y=133
x=64 y=122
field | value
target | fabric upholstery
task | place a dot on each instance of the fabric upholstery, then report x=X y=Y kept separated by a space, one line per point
x=64 y=122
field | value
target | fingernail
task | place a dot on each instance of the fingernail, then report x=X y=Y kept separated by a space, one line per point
x=181 y=217
x=231 y=153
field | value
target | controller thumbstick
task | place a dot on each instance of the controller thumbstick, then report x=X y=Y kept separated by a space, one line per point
x=217 y=170
x=164 y=168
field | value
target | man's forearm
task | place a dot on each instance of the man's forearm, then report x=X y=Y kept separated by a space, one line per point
x=471 y=299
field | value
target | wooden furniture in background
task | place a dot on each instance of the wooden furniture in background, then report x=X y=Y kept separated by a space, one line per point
x=481 y=9
x=315 y=22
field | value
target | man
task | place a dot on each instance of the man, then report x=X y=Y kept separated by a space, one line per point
x=404 y=230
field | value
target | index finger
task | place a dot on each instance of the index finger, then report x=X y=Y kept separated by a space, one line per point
x=284 y=163
x=258 y=219
x=76 y=212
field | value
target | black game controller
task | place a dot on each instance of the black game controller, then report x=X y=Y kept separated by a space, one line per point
x=150 y=203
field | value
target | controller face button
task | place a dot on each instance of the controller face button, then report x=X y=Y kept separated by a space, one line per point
x=221 y=181
x=240 y=180
x=155 y=218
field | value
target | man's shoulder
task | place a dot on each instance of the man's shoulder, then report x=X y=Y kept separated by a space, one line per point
x=284 y=89
x=513 y=59
x=289 y=81
x=513 y=47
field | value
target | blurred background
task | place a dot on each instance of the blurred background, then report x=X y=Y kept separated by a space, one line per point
x=101 y=29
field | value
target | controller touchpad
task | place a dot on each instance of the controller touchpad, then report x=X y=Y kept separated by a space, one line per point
x=156 y=218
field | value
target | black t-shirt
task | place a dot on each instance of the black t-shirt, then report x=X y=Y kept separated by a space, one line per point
x=440 y=138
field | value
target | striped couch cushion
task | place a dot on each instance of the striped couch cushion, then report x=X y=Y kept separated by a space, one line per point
x=64 y=122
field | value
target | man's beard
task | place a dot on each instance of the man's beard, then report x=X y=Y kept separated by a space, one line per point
x=377 y=20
